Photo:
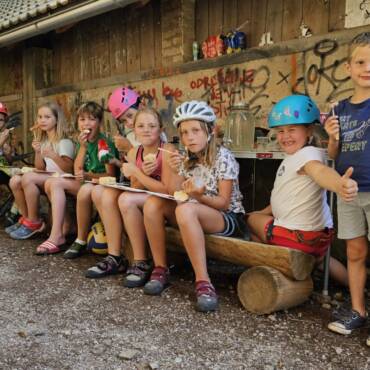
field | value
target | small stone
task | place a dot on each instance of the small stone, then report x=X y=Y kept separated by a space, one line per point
x=128 y=354
x=272 y=317
x=178 y=360
x=327 y=306
x=338 y=296
x=22 y=334
x=154 y=365
x=338 y=350
x=143 y=366
x=300 y=314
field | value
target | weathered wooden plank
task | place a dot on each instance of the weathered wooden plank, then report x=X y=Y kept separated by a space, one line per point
x=245 y=19
x=337 y=14
x=274 y=19
x=292 y=18
x=157 y=33
x=215 y=25
x=146 y=37
x=292 y=263
x=117 y=43
x=133 y=41
x=316 y=16
x=230 y=15
x=201 y=20
x=259 y=11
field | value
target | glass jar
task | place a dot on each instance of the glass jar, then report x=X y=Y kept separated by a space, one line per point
x=239 y=128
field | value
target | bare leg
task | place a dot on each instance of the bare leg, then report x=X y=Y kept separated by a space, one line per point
x=256 y=224
x=96 y=196
x=112 y=220
x=31 y=184
x=356 y=253
x=194 y=220
x=156 y=211
x=130 y=205
x=15 y=184
x=84 y=210
x=336 y=269
x=56 y=190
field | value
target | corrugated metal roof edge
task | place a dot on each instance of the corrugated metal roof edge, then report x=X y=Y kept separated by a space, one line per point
x=61 y=19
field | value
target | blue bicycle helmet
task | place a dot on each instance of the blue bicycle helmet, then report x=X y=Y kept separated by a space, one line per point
x=294 y=110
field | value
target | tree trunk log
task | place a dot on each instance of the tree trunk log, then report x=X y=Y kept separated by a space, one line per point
x=263 y=290
x=292 y=263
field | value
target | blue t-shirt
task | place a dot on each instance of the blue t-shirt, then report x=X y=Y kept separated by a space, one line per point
x=354 y=150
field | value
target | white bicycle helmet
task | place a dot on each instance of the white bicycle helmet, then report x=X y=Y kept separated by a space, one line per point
x=194 y=109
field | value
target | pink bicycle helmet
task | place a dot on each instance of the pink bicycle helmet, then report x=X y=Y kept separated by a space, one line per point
x=122 y=99
x=4 y=109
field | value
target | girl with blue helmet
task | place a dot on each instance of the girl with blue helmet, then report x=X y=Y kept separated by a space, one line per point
x=298 y=216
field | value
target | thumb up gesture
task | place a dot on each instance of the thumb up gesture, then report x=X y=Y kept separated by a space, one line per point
x=348 y=188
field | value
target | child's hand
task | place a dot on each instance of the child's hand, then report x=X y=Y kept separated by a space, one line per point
x=36 y=145
x=348 y=188
x=48 y=152
x=128 y=169
x=332 y=127
x=174 y=160
x=149 y=167
x=82 y=138
x=116 y=162
x=193 y=189
x=121 y=143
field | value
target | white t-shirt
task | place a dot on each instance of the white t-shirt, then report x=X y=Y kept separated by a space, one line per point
x=297 y=201
x=64 y=147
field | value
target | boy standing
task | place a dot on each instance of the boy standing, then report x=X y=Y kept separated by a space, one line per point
x=349 y=134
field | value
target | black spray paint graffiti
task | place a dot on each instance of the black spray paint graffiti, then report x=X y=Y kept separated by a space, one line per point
x=317 y=73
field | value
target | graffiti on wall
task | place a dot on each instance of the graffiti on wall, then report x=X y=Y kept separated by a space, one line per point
x=318 y=71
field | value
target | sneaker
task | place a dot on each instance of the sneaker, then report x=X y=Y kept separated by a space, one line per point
x=14 y=227
x=346 y=324
x=108 y=266
x=158 y=281
x=75 y=250
x=25 y=232
x=206 y=296
x=341 y=311
x=137 y=274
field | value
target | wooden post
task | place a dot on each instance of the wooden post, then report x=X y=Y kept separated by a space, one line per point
x=263 y=290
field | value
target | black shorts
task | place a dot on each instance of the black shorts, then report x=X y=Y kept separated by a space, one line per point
x=235 y=226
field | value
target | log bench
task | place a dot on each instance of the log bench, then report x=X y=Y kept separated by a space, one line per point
x=279 y=277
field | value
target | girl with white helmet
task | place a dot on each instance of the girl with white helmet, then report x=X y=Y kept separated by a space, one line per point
x=208 y=176
x=299 y=216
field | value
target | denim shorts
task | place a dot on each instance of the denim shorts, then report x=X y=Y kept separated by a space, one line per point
x=235 y=225
x=354 y=217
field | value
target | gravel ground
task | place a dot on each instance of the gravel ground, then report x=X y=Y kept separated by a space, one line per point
x=52 y=317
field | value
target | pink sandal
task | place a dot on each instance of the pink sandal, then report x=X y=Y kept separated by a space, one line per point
x=47 y=247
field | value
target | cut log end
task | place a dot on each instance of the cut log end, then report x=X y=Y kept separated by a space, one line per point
x=263 y=290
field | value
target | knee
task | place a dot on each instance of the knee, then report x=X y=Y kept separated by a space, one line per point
x=185 y=213
x=48 y=186
x=27 y=179
x=97 y=193
x=357 y=250
x=15 y=182
x=153 y=208
x=108 y=199
x=84 y=194
x=125 y=202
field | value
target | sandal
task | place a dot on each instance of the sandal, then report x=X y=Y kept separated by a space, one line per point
x=48 y=247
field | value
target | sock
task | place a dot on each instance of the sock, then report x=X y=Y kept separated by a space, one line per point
x=118 y=259
x=81 y=242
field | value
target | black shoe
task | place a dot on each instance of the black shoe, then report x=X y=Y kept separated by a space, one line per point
x=137 y=274
x=108 y=266
x=345 y=325
x=75 y=250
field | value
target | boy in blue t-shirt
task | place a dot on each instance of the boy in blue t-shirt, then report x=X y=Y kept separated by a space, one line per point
x=349 y=137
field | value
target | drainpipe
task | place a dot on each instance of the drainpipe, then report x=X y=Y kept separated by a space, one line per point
x=62 y=19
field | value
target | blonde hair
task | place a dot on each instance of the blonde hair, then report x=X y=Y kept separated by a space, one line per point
x=362 y=39
x=61 y=126
x=151 y=111
x=208 y=154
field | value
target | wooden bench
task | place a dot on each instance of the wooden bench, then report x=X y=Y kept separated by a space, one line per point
x=279 y=277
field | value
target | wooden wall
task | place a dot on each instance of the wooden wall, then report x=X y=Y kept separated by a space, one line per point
x=281 y=18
